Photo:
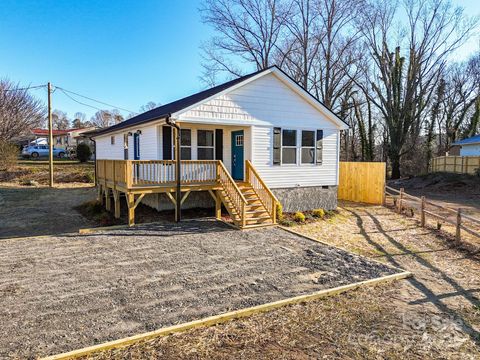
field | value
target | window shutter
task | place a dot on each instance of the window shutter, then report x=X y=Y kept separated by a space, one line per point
x=319 y=147
x=167 y=142
x=218 y=144
x=277 y=145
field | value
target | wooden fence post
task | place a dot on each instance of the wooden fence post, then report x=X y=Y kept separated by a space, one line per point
x=459 y=222
x=422 y=213
x=400 y=201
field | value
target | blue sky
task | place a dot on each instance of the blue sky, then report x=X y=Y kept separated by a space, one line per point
x=122 y=52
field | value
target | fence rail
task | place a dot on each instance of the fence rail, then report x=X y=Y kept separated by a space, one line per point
x=403 y=201
x=455 y=164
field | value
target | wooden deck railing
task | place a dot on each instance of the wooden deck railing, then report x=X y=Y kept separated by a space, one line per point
x=230 y=186
x=141 y=173
x=268 y=199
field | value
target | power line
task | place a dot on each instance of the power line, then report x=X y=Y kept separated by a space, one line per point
x=81 y=103
x=25 y=88
x=91 y=99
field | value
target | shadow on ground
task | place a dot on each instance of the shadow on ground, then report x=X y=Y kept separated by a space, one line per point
x=444 y=286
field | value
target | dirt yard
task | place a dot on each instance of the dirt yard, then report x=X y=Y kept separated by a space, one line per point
x=62 y=293
x=36 y=173
x=27 y=211
x=435 y=315
x=450 y=190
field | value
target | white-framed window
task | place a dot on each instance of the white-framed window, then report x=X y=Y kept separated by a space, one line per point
x=308 y=147
x=186 y=144
x=112 y=140
x=289 y=146
x=239 y=140
x=205 y=145
x=59 y=140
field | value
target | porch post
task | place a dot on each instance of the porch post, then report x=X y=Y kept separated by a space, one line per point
x=178 y=192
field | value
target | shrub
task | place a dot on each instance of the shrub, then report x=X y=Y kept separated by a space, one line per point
x=299 y=217
x=279 y=211
x=8 y=155
x=318 y=213
x=286 y=222
x=83 y=152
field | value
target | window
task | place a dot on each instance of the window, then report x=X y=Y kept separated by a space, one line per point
x=59 y=140
x=112 y=140
x=186 y=144
x=205 y=144
x=319 y=147
x=239 y=140
x=289 y=146
x=308 y=147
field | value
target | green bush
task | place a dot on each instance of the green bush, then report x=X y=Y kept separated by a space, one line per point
x=279 y=210
x=8 y=155
x=299 y=217
x=318 y=213
x=83 y=152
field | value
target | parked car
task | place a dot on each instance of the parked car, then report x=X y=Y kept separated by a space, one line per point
x=36 y=151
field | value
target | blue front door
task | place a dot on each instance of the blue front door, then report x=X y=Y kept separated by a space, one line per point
x=237 y=155
x=136 y=146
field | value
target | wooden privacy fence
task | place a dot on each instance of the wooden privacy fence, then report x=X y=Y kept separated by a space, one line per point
x=406 y=202
x=455 y=164
x=362 y=182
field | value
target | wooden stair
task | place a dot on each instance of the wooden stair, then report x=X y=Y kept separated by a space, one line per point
x=241 y=199
x=255 y=213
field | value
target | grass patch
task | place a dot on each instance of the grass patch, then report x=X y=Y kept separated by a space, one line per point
x=307 y=217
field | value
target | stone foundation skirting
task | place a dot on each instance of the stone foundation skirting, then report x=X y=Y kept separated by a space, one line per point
x=307 y=198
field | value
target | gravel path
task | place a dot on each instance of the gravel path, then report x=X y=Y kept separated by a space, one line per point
x=66 y=292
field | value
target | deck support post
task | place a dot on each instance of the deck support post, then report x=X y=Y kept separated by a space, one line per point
x=116 y=203
x=108 y=204
x=131 y=208
x=218 y=205
x=100 y=193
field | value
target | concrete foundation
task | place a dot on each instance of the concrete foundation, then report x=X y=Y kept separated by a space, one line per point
x=307 y=198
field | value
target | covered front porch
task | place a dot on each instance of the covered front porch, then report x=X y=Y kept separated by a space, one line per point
x=249 y=202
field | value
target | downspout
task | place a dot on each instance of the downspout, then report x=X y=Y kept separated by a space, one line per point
x=178 y=192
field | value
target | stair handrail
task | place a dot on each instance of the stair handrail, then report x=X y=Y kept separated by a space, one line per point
x=232 y=184
x=250 y=169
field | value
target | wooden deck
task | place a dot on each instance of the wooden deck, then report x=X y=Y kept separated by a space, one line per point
x=249 y=203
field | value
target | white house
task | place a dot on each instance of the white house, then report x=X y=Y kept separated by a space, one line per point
x=263 y=120
x=469 y=146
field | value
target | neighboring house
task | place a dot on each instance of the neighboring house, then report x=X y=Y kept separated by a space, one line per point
x=289 y=137
x=469 y=146
x=65 y=139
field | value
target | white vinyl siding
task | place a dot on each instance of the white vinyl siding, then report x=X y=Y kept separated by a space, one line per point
x=284 y=176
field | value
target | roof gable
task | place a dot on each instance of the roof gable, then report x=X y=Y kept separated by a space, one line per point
x=178 y=107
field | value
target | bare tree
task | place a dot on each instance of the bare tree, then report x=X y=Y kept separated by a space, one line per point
x=79 y=120
x=60 y=120
x=149 y=106
x=248 y=30
x=19 y=111
x=404 y=83
x=106 y=118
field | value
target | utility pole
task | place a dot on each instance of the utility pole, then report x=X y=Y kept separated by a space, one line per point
x=50 y=134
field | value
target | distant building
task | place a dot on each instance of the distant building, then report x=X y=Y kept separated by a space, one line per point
x=469 y=146
x=63 y=139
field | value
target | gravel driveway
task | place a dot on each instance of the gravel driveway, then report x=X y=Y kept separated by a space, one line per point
x=62 y=293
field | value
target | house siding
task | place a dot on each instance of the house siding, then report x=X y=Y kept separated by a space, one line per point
x=470 y=150
x=267 y=103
